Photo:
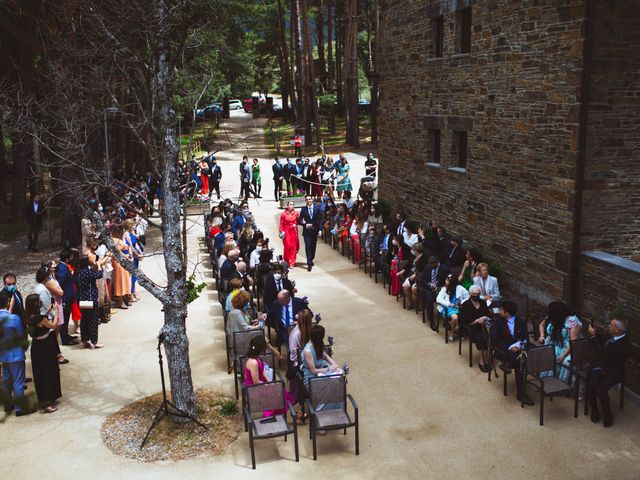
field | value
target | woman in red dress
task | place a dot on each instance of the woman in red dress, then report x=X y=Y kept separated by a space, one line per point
x=204 y=176
x=289 y=234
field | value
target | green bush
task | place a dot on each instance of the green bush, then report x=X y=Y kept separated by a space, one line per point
x=229 y=407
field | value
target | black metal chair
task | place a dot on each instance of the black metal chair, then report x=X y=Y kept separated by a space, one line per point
x=269 y=397
x=240 y=342
x=540 y=360
x=327 y=404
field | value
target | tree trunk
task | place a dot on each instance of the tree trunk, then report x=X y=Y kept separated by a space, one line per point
x=340 y=41
x=300 y=75
x=285 y=67
x=351 y=71
x=175 y=310
x=330 y=69
x=375 y=72
x=310 y=83
x=322 y=74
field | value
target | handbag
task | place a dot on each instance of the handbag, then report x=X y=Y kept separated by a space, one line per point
x=85 y=304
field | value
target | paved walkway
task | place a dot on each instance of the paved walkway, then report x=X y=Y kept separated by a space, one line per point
x=424 y=412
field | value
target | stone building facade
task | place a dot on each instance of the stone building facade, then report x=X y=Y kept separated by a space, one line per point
x=516 y=124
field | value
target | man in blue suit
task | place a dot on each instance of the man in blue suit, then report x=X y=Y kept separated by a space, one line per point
x=282 y=315
x=12 y=337
x=311 y=220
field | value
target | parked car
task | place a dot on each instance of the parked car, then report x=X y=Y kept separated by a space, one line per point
x=235 y=105
x=209 y=111
x=248 y=105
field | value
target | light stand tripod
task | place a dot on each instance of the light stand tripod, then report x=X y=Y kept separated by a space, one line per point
x=167 y=408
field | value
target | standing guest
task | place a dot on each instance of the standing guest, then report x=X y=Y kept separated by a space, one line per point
x=135 y=247
x=120 y=278
x=490 y=292
x=215 y=176
x=56 y=293
x=558 y=329
x=256 y=179
x=434 y=276
x=311 y=220
x=613 y=350
x=315 y=178
x=204 y=176
x=508 y=335
x=10 y=285
x=344 y=183
x=34 y=212
x=288 y=232
x=44 y=287
x=152 y=185
x=99 y=255
x=44 y=351
x=85 y=278
x=278 y=176
x=473 y=314
x=140 y=230
x=297 y=145
x=288 y=170
x=88 y=231
x=449 y=299
x=12 y=357
x=370 y=166
x=468 y=272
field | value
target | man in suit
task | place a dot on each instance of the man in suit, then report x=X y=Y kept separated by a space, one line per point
x=489 y=289
x=435 y=273
x=12 y=356
x=401 y=220
x=34 y=214
x=311 y=220
x=508 y=336
x=282 y=315
x=613 y=349
x=278 y=175
x=275 y=282
x=65 y=279
x=215 y=175
x=288 y=170
x=228 y=268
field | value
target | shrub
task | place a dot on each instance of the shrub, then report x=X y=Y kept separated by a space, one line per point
x=229 y=407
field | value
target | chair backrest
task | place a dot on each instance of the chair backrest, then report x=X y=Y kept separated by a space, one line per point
x=331 y=389
x=267 y=359
x=242 y=339
x=582 y=352
x=265 y=396
x=540 y=359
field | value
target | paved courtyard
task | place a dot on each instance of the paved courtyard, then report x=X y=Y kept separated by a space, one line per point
x=424 y=412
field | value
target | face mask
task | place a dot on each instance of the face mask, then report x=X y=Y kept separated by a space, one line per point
x=100 y=209
x=277 y=276
x=475 y=298
x=11 y=289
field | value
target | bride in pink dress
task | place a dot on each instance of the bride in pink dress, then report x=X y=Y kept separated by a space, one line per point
x=289 y=234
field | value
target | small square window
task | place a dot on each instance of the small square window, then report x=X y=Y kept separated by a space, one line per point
x=434 y=146
x=438 y=36
x=463 y=30
x=460 y=148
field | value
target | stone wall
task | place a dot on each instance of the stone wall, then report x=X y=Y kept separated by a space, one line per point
x=517 y=95
x=609 y=283
x=611 y=205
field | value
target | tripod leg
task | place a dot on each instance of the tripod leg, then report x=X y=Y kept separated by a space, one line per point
x=181 y=413
x=157 y=418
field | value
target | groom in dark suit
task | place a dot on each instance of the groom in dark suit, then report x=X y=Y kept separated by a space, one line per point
x=311 y=220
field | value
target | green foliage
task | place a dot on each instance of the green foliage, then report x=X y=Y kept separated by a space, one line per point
x=326 y=103
x=193 y=289
x=229 y=407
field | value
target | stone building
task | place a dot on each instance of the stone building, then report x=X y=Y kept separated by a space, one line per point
x=516 y=124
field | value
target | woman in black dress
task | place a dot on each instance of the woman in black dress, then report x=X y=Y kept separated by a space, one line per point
x=44 y=355
x=85 y=278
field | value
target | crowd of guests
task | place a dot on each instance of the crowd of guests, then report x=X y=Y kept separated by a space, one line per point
x=246 y=269
x=73 y=295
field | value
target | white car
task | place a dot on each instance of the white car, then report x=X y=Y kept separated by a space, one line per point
x=235 y=105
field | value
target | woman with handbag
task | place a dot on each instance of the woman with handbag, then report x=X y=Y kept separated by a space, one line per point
x=86 y=277
x=121 y=278
x=44 y=352
x=289 y=234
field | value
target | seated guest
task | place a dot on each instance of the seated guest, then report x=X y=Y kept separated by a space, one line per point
x=241 y=273
x=370 y=242
x=489 y=290
x=282 y=315
x=449 y=299
x=384 y=241
x=508 y=335
x=239 y=316
x=12 y=356
x=558 y=329
x=348 y=201
x=409 y=285
x=228 y=267
x=276 y=281
x=399 y=257
x=473 y=314
x=235 y=286
x=254 y=257
x=455 y=255
x=468 y=272
x=358 y=227
x=374 y=218
x=315 y=360
x=433 y=279
x=410 y=234
x=613 y=350
x=400 y=222
x=436 y=244
x=225 y=252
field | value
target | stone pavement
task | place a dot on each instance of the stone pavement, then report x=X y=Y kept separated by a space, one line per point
x=424 y=412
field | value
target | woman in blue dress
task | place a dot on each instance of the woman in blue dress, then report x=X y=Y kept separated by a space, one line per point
x=558 y=329
x=135 y=247
x=342 y=169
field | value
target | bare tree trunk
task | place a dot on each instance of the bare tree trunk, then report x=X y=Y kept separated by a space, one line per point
x=330 y=68
x=284 y=55
x=310 y=84
x=320 y=33
x=340 y=42
x=375 y=72
x=351 y=71
x=175 y=310
x=300 y=74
